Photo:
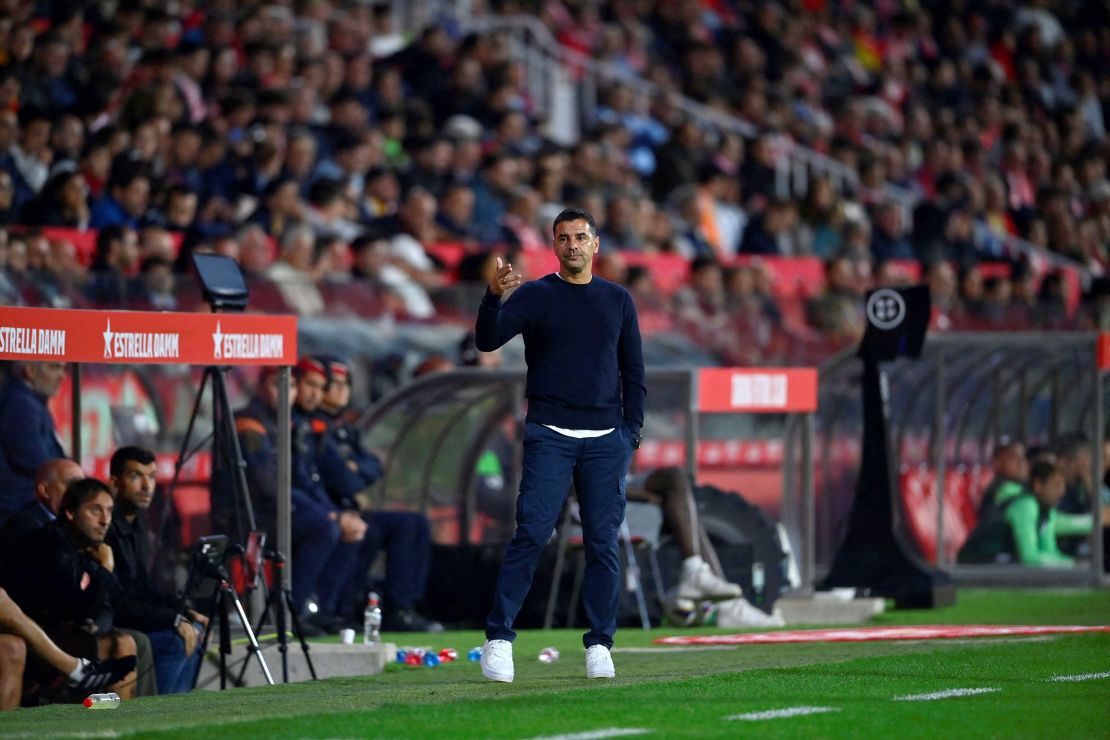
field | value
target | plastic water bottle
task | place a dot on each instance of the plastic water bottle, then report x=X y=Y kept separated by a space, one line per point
x=758 y=581
x=549 y=655
x=102 y=701
x=372 y=621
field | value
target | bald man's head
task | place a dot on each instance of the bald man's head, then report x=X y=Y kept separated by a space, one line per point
x=51 y=480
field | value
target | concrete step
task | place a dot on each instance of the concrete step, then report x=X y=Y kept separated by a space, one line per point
x=328 y=658
x=824 y=609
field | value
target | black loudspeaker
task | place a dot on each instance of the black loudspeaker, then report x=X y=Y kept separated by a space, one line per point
x=897 y=319
x=874 y=555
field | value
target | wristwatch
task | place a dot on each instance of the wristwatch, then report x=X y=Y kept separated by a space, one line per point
x=637 y=440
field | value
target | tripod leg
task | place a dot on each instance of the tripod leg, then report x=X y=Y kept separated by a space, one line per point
x=297 y=631
x=229 y=593
x=279 y=622
x=225 y=635
x=261 y=621
x=204 y=647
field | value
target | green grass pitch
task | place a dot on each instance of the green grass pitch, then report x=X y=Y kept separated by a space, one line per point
x=676 y=693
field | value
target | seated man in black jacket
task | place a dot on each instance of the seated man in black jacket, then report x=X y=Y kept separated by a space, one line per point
x=64 y=580
x=51 y=481
x=173 y=628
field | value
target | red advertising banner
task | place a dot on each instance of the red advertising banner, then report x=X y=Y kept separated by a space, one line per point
x=147 y=337
x=757 y=391
x=1104 y=351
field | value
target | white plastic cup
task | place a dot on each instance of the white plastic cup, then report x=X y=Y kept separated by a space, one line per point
x=347 y=636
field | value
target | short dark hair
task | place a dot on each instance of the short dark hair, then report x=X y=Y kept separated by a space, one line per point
x=575 y=214
x=1042 y=470
x=131 y=453
x=82 y=490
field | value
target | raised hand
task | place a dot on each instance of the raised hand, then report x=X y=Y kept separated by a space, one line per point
x=503 y=279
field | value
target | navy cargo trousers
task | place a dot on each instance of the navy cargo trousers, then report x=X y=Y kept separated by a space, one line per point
x=597 y=467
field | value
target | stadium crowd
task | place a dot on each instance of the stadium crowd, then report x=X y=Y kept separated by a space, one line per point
x=353 y=170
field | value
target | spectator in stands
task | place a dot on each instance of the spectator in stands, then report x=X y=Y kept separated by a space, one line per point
x=492 y=192
x=373 y=266
x=179 y=212
x=454 y=218
x=64 y=578
x=331 y=210
x=31 y=155
x=156 y=290
x=28 y=437
x=403 y=535
x=281 y=207
x=838 y=311
x=8 y=207
x=292 y=272
x=1018 y=526
x=821 y=219
x=171 y=626
x=127 y=198
x=677 y=160
x=889 y=240
x=19 y=633
x=766 y=232
x=518 y=225
x=62 y=202
x=701 y=304
x=409 y=232
x=111 y=281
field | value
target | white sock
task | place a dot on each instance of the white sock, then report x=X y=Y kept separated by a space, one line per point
x=77 y=673
x=692 y=564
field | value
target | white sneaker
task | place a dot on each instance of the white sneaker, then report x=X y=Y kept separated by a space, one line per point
x=700 y=582
x=497 y=660
x=599 y=663
x=739 y=613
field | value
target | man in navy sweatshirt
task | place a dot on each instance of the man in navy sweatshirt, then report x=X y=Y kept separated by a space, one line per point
x=586 y=393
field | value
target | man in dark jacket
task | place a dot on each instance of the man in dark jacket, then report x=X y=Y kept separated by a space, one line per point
x=172 y=627
x=64 y=580
x=315 y=521
x=404 y=535
x=27 y=434
x=51 y=481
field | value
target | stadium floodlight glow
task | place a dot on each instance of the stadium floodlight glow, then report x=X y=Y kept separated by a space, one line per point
x=221 y=281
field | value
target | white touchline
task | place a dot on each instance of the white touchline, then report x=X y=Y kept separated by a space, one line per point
x=781 y=713
x=1081 y=676
x=947 y=694
x=597 y=734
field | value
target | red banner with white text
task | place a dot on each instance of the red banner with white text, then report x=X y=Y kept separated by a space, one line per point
x=758 y=391
x=147 y=337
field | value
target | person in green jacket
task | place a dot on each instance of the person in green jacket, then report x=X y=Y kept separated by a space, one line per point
x=1019 y=524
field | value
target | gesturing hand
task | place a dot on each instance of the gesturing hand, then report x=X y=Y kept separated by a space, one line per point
x=503 y=279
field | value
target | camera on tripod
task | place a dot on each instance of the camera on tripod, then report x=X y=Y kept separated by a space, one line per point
x=209 y=555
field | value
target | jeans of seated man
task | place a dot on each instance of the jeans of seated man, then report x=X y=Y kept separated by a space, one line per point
x=175 y=671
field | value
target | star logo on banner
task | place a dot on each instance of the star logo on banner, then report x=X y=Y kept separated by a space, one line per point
x=108 y=334
x=218 y=342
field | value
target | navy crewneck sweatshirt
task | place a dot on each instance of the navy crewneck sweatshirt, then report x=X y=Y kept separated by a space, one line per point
x=582 y=346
